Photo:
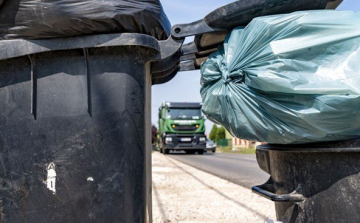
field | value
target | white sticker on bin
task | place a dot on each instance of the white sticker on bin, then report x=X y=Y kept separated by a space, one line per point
x=51 y=177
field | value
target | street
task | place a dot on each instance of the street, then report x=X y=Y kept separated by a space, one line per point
x=182 y=193
x=241 y=169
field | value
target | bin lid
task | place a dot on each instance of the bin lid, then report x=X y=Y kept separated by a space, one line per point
x=38 y=19
x=212 y=30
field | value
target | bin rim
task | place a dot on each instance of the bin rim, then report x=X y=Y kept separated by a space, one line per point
x=21 y=47
x=350 y=146
x=164 y=60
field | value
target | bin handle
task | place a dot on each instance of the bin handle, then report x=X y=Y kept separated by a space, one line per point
x=265 y=191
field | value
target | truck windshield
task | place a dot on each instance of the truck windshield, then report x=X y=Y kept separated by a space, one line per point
x=184 y=113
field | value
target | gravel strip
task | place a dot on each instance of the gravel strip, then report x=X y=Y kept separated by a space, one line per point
x=182 y=193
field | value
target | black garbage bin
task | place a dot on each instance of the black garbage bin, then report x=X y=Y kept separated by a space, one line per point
x=75 y=136
x=312 y=183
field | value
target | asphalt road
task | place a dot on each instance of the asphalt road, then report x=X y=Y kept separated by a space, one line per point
x=241 y=169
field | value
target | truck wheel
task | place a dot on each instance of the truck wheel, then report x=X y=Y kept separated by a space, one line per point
x=200 y=151
x=161 y=151
x=166 y=151
x=213 y=150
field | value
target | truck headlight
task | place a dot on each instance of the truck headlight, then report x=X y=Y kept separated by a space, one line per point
x=202 y=139
x=168 y=139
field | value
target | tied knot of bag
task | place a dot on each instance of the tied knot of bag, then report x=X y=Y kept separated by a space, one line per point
x=236 y=76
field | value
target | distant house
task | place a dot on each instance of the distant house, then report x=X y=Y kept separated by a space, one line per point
x=240 y=143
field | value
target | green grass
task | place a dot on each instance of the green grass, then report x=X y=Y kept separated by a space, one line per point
x=228 y=148
x=239 y=151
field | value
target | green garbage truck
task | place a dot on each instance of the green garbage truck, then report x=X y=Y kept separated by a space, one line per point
x=181 y=127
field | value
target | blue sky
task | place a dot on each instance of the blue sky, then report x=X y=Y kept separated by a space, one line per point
x=185 y=87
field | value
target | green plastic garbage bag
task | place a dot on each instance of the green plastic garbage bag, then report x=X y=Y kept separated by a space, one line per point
x=292 y=78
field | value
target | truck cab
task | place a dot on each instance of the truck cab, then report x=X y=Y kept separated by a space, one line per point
x=181 y=127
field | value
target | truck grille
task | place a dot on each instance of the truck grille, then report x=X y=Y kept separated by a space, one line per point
x=184 y=127
x=186 y=146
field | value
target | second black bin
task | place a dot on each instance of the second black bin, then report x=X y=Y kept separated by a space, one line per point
x=312 y=183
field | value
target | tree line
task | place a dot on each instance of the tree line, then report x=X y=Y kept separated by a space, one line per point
x=217 y=133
